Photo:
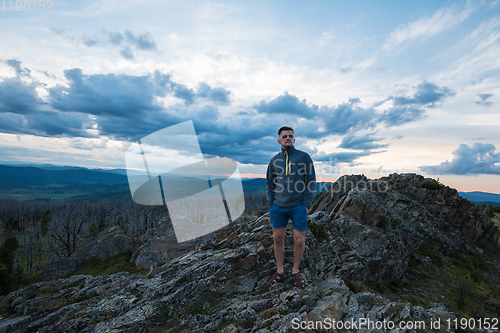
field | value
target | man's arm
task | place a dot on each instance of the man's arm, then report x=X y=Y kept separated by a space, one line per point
x=271 y=186
x=310 y=182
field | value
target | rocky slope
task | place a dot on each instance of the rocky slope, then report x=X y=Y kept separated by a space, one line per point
x=361 y=232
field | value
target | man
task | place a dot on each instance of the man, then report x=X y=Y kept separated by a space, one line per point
x=291 y=185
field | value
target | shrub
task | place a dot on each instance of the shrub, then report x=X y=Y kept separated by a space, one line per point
x=197 y=306
x=44 y=222
x=491 y=210
x=466 y=288
x=432 y=184
x=115 y=264
x=316 y=197
x=383 y=222
x=8 y=275
x=6 y=306
x=319 y=232
x=433 y=253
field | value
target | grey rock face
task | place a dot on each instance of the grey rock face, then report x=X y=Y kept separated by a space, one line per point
x=218 y=283
x=376 y=225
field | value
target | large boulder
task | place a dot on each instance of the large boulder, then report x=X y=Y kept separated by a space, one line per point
x=376 y=225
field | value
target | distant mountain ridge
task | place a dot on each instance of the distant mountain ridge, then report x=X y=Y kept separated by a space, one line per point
x=481 y=197
x=28 y=177
x=45 y=175
x=48 y=175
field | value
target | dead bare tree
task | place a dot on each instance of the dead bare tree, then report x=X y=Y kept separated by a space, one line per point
x=64 y=231
x=30 y=240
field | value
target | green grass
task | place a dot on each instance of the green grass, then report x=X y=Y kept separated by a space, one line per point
x=383 y=222
x=316 y=197
x=433 y=253
x=492 y=210
x=115 y=264
x=204 y=304
x=466 y=282
x=410 y=195
x=5 y=307
x=496 y=220
x=319 y=232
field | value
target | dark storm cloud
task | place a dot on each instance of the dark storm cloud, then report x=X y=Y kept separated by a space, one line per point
x=128 y=41
x=185 y=93
x=408 y=109
x=484 y=100
x=427 y=94
x=121 y=106
x=100 y=94
x=347 y=116
x=478 y=158
x=127 y=107
x=287 y=104
x=216 y=95
x=91 y=41
x=16 y=64
x=246 y=140
x=363 y=142
x=18 y=97
x=337 y=120
x=122 y=95
x=141 y=42
x=402 y=114
x=350 y=117
x=115 y=38
x=255 y=150
x=46 y=123
x=127 y=53
x=134 y=128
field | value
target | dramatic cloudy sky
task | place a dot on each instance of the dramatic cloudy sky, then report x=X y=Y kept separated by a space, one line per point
x=370 y=87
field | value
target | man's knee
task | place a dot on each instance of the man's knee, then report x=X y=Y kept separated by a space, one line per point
x=279 y=235
x=299 y=238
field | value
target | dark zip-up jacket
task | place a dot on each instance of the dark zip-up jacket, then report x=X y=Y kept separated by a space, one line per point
x=291 y=179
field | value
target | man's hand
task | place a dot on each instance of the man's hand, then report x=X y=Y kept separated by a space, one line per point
x=307 y=210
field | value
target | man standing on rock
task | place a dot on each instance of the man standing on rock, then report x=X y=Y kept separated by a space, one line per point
x=291 y=185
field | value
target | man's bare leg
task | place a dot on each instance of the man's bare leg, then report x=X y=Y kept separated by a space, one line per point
x=299 y=244
x=279 y=247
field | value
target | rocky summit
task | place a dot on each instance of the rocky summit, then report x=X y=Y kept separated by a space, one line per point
x=362 y=234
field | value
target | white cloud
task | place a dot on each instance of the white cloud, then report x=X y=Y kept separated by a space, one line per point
x=426 y=27
x=215 y=11
x=480 y=50
x=326 y=38
x=88 y=144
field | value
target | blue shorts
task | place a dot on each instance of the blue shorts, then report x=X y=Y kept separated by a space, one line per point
x=279 y=216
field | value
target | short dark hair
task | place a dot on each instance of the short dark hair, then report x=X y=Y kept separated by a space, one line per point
x=285 y=128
